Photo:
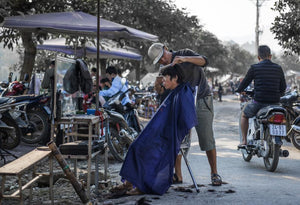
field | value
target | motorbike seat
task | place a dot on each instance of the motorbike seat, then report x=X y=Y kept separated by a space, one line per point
x=264 y=112
x=3 y=100
x=24 y=97
x=288 y=99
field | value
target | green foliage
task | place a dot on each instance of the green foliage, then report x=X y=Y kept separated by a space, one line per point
x=286 y=25
x=288 y=62
x=239 y=60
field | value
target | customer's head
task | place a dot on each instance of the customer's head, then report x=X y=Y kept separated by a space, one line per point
x=264 y=52
x=111 y=72
x=158 y=53
x=173 y=76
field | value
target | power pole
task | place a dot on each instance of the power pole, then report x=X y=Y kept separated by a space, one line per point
x=257 y=26
x=257 y=30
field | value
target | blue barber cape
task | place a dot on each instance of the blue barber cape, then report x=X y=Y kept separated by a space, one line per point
x=151 y=157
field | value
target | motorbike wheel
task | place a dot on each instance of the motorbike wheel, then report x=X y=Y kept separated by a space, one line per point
x=246 y=156
x=10 y=140
x=296 y=138
x=39 y=127
x=117 y=147
x=271 y=160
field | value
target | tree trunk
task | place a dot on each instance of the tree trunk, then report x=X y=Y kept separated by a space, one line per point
x=29 y=54
x=138 y=70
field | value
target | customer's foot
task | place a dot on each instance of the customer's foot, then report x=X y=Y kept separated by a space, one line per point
x=176 y=179
x=122 y=187
x=135 y=191
x=216 y=180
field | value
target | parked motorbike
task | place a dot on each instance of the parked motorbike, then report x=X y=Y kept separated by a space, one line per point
x=14 y=88
x=10 y=133
x=265 y=133
x=145 y=103
x=3 y=86
x=124 y=125
x=32 y=117
x=292 y=106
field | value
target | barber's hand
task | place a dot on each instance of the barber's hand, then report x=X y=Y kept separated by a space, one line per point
x=178 y=59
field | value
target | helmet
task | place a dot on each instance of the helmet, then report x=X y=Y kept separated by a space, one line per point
x=17 y=88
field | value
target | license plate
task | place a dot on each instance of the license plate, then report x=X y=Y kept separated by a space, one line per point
x=277 y=130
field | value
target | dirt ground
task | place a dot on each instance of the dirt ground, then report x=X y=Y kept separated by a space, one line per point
x=247 y=183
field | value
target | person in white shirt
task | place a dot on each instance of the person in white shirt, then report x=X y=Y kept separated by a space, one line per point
x=116 y=85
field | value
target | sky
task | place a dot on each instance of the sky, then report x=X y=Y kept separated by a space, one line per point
x=234 y=19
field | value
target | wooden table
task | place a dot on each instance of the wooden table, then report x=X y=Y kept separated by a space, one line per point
x=94 y=124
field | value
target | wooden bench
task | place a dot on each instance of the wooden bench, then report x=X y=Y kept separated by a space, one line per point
x=18 y=168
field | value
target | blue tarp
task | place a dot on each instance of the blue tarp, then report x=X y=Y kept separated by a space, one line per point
x=77 y=23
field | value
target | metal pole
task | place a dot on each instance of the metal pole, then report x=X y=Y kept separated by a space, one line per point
x=98 y=57
x=257 y=26
x=190 y=171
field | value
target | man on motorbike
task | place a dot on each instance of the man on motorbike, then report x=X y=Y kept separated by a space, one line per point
x=116 y=85
x=269 y=86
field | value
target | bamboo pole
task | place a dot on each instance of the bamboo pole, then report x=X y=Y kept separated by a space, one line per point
x=62 y=162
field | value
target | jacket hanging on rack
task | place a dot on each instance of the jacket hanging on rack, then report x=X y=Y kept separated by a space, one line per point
x=78 y=77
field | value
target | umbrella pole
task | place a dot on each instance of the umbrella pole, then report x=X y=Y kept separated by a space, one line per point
x=98 y=57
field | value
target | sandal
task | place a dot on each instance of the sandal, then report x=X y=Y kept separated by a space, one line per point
x=216 y=180
x=134 y=191
x=176 y=180
x=121 y=187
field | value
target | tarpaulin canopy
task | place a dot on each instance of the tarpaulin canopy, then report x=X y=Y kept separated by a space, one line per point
x=77 y=23
x=107 y=50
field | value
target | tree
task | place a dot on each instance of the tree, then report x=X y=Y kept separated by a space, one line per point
x=286 y=26
x=239 y=60
x=174 y=27
x=159 y=17
x=11 y=37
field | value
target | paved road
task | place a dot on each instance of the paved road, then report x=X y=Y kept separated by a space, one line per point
x=248 y=182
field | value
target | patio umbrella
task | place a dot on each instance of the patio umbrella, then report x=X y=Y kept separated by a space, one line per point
x=108 y=50
x=74 y=23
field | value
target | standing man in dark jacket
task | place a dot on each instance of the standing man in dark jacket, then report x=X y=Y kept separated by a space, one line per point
x=269 y=86
x=192 y=64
